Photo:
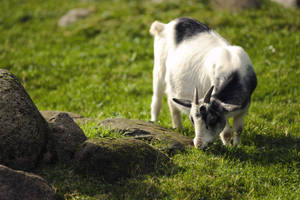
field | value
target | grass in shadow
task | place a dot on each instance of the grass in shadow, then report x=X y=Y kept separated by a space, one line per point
x=261 y=150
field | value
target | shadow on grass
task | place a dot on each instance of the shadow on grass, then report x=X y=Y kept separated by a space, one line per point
x=70 y=185
x=261 y=149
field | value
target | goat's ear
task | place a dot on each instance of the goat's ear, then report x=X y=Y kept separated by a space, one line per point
x=183 y=102
x=226 y=107
x=230 y=107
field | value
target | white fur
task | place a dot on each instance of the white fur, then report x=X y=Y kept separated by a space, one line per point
x=194 y=63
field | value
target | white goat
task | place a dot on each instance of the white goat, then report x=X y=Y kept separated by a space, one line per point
x=190 y=57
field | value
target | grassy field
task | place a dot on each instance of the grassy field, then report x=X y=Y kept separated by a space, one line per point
x=101 y=67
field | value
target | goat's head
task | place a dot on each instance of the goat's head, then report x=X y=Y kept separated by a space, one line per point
x=208 y=117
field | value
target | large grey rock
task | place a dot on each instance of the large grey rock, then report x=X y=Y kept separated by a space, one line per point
x=23 y=131
x=164 y=139
x=64 y=138
x=19 y=185
x=288 y=3
x=113 y=159
x=74 y=15
x=48 y=114
x=235 y=5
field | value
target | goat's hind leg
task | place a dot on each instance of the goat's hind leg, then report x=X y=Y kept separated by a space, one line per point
x=158 y=91
x=158 y=85
x=159 y=71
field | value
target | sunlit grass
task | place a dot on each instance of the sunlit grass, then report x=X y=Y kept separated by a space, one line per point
x=101 y=67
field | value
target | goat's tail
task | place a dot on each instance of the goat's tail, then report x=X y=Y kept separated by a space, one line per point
x=156 y=28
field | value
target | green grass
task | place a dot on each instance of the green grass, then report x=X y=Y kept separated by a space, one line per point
x=101 y=67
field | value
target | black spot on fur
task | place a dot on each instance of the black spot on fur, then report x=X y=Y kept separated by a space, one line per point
x=251 y=81
x=229 y=88
x=187 y=27
x=236 y=90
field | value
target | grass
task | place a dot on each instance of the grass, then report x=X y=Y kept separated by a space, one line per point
x=101 y=67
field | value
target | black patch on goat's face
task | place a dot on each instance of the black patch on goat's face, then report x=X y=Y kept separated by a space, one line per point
x=211 y=114
x=215 y=117
x=208 y=120
x=187 y=28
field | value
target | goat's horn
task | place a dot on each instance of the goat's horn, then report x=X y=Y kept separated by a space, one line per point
x=196 y=97
x=208 y=94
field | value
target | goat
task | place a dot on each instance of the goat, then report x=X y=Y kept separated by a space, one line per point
x=203 y=76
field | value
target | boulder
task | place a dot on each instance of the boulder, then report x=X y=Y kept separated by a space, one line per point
x=113 y=159
x=19 y=185
x=288 y=3
x=64 y=138
x=48 y=114
x=164 y=139
x=23 y=131
x=74 y=15
x=236 y=5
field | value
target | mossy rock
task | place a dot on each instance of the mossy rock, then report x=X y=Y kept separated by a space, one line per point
x=114 y=159
x=164 y=139
x=23 y=131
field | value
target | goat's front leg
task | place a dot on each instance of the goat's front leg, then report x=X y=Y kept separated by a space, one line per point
x=226 y=134
x=238 y=125
x=175 y=115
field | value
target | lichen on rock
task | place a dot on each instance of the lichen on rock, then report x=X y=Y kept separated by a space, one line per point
x=113 y=159
x=164 y=139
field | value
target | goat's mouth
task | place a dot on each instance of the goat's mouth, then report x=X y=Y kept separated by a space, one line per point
x=207 y=146
x=200 y=145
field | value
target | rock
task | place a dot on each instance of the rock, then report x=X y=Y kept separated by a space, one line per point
x=74 y=15
x=23 y=131
x=113 y=159
x=65 y=138
x=236 y=5
x=166 y=140
x=48 y=114
x=288 y=3
x=19 y=185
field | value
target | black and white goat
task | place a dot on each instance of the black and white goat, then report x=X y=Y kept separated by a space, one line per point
x=203 y=76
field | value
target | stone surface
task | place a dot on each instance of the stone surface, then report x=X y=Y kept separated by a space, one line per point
x=48 y=114
x=288 y=3
x=74 y=15
x=166 y=140
x=65 y=137
x=235 y=5
x=23 y=131
x=19 y=185
x=113 y=159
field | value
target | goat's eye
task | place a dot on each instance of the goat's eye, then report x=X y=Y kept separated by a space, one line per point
x=202 y=110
